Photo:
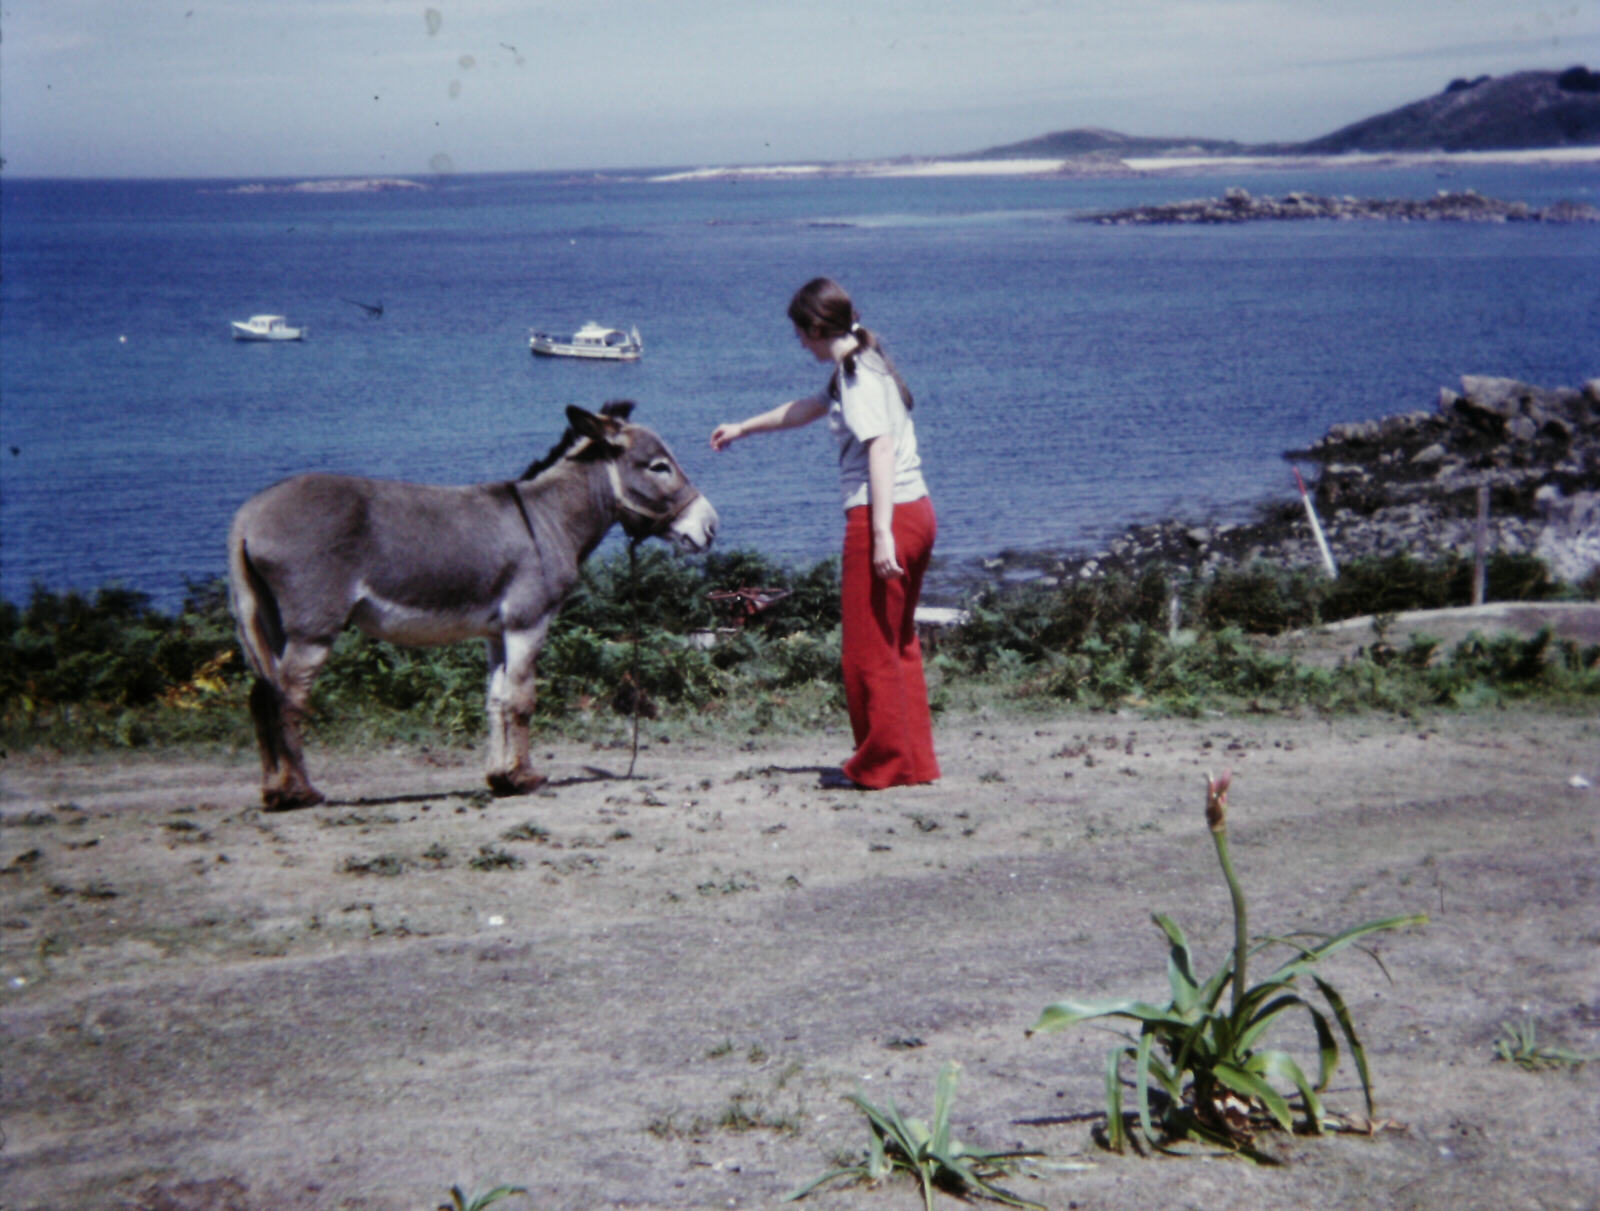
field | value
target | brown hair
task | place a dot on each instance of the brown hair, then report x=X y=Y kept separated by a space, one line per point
x=822 y=309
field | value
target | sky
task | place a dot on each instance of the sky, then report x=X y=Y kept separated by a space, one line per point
x=302 y=88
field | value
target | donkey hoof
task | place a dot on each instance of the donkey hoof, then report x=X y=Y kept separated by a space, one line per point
x=289 y=800
x=517 y=782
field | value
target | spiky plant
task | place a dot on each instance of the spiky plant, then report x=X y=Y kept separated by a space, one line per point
x=478 y=1202
x=927 y=1152
x=1200 y=1069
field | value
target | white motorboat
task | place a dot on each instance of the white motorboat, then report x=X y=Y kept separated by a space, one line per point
x=592 y=340
x=266 y=328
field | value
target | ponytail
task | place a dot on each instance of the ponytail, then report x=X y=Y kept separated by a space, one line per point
x=821 y=308
x=867 y=343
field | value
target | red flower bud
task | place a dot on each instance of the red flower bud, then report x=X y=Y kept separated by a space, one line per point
x=1217 y=800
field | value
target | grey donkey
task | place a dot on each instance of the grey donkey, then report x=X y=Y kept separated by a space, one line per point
x=422 y=565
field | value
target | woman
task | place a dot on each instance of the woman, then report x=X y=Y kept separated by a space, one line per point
x=888 y=537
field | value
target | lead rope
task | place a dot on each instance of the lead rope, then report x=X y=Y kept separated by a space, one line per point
x=633 y=594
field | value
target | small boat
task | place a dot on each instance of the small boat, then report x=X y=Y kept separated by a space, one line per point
x=266 y=328
x=592 y=340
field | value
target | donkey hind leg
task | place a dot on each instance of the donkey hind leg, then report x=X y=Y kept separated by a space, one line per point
x=510 y=708
x=277 y=705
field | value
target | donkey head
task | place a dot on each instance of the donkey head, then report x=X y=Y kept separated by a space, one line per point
x=652 y=495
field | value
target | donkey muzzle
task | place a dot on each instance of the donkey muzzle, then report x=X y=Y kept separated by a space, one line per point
x=694 y=528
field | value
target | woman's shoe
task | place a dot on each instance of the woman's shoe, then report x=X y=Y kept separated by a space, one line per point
x=838 y=780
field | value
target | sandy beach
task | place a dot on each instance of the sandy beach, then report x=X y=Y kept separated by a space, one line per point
x=1133 y=165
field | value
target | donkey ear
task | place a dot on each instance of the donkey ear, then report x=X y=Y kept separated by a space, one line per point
x=587 y=424
x=618 y=409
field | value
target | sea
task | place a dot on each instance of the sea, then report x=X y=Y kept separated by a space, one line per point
x=1070 y=378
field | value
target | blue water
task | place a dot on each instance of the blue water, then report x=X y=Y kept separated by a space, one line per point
x=1070 y=378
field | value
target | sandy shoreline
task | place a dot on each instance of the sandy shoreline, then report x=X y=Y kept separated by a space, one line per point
x=1073 y=166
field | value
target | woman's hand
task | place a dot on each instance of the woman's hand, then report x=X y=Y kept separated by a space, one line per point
x=884 y=562
x=725 y=435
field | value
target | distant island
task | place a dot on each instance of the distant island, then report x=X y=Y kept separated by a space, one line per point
x=1538 y=115
x=331 y=185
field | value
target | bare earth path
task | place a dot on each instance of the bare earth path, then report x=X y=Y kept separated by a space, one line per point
x=206 y=1008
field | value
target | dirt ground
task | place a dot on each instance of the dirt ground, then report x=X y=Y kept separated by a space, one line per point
x=655 y=992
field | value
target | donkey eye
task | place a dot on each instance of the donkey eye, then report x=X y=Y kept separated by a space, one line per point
x=661 y=467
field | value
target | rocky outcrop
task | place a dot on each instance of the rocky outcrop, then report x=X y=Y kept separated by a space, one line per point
x=1514 y=438
x=1410 y=483
x=1239 y=206
x=1405 y=484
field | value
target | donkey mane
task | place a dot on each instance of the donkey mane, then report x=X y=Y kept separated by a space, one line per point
x=617 y=409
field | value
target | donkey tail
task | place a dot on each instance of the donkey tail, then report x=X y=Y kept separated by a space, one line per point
x=255 y=610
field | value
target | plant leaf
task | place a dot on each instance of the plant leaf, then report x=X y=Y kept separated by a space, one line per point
x=1250 y=1085
x=1327 y=1047
x=1357 y=1052
x=1116 y=1131
x=1141 y=1083
x=878 y=1166
x=1069 y=1013
x=1314 y=954
x=1180 y=966
x=800 y=1192
x=944 y=1091
x=1281 y=1065
x=1211 y=991
x=1263 y=1018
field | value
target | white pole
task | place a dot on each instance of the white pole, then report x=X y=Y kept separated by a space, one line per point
x=1316 y=527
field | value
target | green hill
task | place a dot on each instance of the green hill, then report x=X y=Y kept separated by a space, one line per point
x=1525 y=110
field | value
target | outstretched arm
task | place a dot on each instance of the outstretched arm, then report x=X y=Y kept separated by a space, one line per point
x=792 y=415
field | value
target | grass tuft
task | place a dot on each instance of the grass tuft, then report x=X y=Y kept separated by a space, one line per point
x=1518 y=1043
x=928 y=1152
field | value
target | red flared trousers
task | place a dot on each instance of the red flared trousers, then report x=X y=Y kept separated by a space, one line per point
x=882 y=658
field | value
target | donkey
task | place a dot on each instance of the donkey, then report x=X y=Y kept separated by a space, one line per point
x=422 y=565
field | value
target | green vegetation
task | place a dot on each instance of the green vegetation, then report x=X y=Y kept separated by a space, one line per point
x=1518 y=1043
x=1213 y=1080
x=928 y=1153
x=108 y=670
x=478 y=1202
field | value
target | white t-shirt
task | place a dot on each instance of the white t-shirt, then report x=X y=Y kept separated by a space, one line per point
x=869 y=406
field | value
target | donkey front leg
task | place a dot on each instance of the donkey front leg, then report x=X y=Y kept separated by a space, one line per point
x=511 y=699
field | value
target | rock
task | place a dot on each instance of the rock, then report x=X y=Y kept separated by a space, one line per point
x=1569 y=544
x=1429 y=456
x=1554 y=428
x=1522 y=429
x=1501 y=396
